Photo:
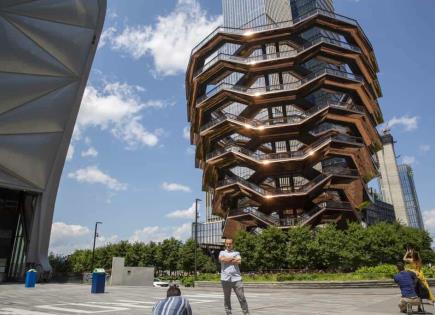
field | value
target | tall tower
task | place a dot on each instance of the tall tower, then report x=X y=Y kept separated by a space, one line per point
x=283 y=115
x=391 y=186
x=410 y=195
x=301 y=7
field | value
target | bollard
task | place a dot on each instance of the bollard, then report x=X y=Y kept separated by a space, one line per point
x=30 y=280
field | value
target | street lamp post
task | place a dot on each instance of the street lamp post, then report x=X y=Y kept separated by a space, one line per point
x=93 y=248
x=196 y=235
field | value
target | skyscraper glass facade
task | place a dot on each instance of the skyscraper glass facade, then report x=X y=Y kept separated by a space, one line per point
x=209 y=233
x=250 y=13
x=410 y=195
x=302 y=7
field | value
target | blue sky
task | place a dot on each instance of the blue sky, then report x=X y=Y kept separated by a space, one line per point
x=130 y=164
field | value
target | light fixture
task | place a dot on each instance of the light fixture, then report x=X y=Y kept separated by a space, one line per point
x=266 y=162
x=248 y=33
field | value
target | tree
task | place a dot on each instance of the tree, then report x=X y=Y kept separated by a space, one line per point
x=325 y=249
x=246 y=244
x=271 y=249
x=168 y=254
x=298 y=250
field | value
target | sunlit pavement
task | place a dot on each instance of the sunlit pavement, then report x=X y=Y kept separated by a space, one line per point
x=77 y=299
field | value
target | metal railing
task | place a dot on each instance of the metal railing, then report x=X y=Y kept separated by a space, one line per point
x=309 y=214
x=277 y=192
x=254 y=212
x=287 y=120
x=270 y=157
x=315 y=40
x=248 y=31
x=257 y=91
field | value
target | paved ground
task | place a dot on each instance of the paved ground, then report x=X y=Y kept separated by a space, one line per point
x=70 y=299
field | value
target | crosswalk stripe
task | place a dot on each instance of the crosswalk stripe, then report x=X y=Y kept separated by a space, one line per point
x=122 y=304
x=64 y=308
x=136 y=302
x=19 y=311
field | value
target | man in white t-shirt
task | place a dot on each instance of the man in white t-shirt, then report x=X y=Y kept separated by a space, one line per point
x=231 y=278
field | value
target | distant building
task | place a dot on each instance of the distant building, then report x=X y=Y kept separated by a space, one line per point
x=378 y=211
x=410 y=194
x=250 y=13
x=390 y=182
x=209 y=234
x=300 y=8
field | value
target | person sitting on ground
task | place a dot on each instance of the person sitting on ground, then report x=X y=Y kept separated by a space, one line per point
x=174 y=304
x=414 y=264
x=406 y=281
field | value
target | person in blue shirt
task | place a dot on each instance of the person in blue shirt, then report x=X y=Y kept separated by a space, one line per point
x=407 y=281
x=174 y=304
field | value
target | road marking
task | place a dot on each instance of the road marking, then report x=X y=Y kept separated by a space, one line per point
x=122 y=304
x=136 y=302
x=62 y=308
x=19 y=311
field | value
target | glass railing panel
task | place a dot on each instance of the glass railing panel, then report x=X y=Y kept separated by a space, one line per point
x=285 y=24
x=256 y=91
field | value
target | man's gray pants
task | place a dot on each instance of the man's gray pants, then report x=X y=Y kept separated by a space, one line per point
x=237 y=286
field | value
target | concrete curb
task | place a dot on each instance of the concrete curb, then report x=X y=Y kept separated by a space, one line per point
x=312 y=284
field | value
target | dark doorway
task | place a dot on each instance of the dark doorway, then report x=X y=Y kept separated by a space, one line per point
x=13 y=233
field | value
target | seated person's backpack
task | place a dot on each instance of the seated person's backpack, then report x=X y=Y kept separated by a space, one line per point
x=421 y=290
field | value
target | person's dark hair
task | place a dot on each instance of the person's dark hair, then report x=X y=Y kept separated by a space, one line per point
x=400 y=266
x=173 y=290
x=416 y=256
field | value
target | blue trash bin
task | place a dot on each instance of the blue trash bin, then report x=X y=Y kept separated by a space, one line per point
x=30 y=280
x=98 y=282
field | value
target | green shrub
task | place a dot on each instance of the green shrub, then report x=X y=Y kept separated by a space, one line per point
x=187 y=281
x=377 y=272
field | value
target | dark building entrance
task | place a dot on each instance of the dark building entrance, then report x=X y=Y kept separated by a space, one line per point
x=15 y=218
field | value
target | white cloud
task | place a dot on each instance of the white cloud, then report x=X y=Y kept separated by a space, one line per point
x=183 y=214
x=175 y=187
x=424 y=148
x=70 y=153
x=158 y=234
x=116 y=107
x=408 y=159
x=407 y=122
x=170 y=40
x=90 y=152
x=106 y=35
x=183 y=232
x=93 y=175
x=134 y=134
x=186 y=132
x=65 y=238
x=148 y=234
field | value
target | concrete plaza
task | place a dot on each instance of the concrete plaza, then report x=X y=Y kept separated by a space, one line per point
x=77 y=299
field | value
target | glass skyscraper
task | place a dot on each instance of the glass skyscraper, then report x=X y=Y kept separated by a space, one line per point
x=250 y=13
x=302 y=7
x=410 y=195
